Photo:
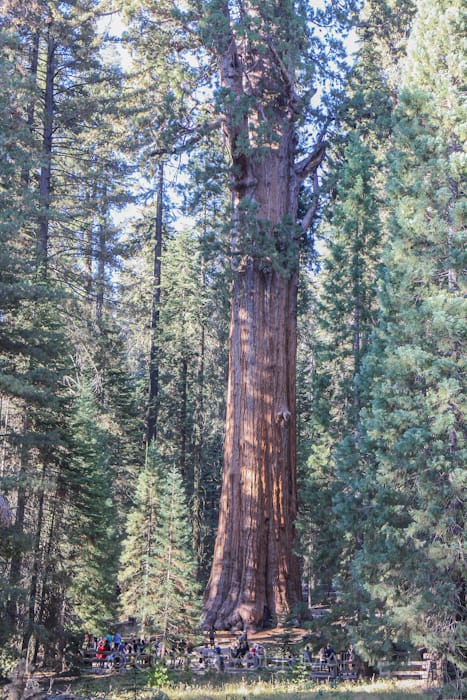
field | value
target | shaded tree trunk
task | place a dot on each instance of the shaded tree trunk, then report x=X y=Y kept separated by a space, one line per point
x=36 y=565
x=101 y=259
x=152 y=409
x=255 y=575
x=16 y=561
x=46 y=169
x=197 y=501
x=33 y=66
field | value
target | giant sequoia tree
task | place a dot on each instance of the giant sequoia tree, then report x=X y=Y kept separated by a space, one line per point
x=256 y=62
x=261 y=51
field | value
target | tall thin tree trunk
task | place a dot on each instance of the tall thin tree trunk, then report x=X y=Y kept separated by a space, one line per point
x=33 y=66
x=4 y=417
x=56 y=516
x=88 y=245
x=36 y=565
x=46 y=168
x=147 y=561
x=357 y=361
x=197 y=501
x=183 y=418
x=101 y=259
x=152 y=409
x=16 y=561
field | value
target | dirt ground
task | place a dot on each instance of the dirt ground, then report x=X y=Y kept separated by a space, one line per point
x=96 y=678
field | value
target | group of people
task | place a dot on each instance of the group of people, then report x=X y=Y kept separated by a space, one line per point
x=241 y=650
x=327 y=656
x=215 y=653
x=105 y=647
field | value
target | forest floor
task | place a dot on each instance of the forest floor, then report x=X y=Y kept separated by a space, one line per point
x=128 y=686
x=197 y=683
x=136 y=684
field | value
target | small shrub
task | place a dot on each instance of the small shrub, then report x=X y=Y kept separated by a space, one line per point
x=7 y=662
x=158 y=676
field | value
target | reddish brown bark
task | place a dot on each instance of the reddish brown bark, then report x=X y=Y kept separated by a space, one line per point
x=255 y=573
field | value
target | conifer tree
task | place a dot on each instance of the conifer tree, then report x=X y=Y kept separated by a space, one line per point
x=178 y=605
x=137 y=575
x=94 y=527
x=345 y=317
x=409 y=570
x=34 y=361
x=264 y=56
x=345 y=304
x=16 y=289
x=158 y=567
x=207 y=204
x=44 y=232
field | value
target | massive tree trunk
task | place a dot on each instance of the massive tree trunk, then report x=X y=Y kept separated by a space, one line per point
x=255 y=573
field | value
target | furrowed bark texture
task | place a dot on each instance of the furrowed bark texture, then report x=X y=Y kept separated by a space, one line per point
x=255 y=575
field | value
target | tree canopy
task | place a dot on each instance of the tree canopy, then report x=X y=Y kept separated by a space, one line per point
x=232 y=321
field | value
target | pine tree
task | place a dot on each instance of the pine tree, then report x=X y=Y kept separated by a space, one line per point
x=137 y=579
x=178 y=606
x=94 y=527
x=191 y=357
x=45 y=214
x=332 y=388
x=409 y=569
x=34 y=361
x=16 y=288
x=158 y=567
x=345 y=318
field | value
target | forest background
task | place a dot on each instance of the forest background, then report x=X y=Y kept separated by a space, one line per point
x=114 y=330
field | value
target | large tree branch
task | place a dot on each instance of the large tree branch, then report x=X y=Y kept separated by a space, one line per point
x=309 y=164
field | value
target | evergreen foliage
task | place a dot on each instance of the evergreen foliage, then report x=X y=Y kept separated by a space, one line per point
x=137 y=578
x=381 y=375
x=158 y=567
x=52 y=54
x=94 y=527
x=345 y=307
x=412 y=479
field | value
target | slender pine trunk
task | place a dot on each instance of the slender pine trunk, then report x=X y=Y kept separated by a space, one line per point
x=46 y=168
x=152 y=409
